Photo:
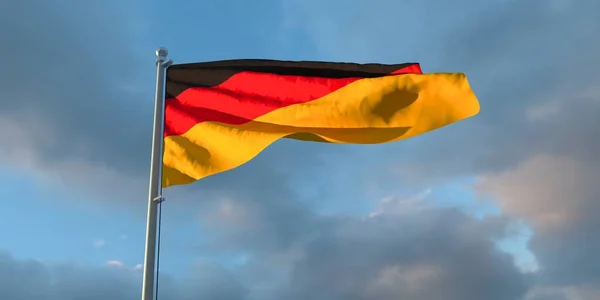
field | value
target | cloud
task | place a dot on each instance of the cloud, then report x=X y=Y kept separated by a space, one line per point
x=35 y=280
x=371 y=256
x=553 y=193
x=569 y=293
x=558 y=196
x=400 y=205
x=410 y=254
x=66 y=106
x=115 y=263
x=99 y=243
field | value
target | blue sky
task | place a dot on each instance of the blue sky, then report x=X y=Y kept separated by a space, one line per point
x=302 y=220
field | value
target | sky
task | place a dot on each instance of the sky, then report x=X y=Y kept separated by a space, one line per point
x=501 y=206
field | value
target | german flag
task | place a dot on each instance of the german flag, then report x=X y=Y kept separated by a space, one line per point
x=219 y=115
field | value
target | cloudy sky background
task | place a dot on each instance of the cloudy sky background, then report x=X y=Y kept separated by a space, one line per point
x=501 y=207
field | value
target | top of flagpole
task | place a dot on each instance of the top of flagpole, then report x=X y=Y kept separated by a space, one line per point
x=161 y=57
x=161 y=54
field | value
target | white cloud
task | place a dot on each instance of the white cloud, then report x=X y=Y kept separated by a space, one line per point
x=115 y=263
x=400 y=206
x=99 y=243
x=543 y=110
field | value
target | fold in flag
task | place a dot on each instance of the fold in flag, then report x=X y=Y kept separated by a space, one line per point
x=220 y=115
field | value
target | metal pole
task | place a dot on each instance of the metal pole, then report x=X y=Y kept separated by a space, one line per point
x=155 y=185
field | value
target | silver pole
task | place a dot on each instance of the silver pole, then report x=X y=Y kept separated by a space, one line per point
x=155 y=185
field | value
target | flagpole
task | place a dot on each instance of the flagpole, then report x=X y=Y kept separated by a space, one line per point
x=155 y=185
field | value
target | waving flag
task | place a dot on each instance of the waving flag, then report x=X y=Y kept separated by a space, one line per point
x=220 y=115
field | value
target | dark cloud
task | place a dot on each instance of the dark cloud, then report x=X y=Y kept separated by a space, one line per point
x=421 y=253
x=435 y=254
x=30 y=279
x=35 y=280
x=71 y=79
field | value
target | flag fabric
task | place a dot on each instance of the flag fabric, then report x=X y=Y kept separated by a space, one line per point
x=219 y=115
